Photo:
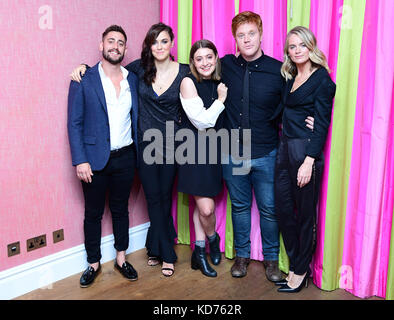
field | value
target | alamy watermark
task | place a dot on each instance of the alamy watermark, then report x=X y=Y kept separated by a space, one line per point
x=346 y=277
x=45 y=21
x=346 y=17
x=207 y=147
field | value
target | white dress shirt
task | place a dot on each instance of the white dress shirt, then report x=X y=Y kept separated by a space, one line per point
x=198 y=115
x=118 y=110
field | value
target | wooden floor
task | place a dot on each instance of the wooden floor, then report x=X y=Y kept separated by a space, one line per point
x=185 y=284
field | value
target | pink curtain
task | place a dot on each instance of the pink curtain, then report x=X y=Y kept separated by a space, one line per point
x=274 y=16
x=169 y=15
x=368 y=218
x=324 y=24
x=217 y=25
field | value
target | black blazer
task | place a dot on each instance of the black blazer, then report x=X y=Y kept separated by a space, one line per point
x=313 y=98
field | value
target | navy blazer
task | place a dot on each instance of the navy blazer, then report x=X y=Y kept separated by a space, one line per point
x=88 y=124
x=313 y=98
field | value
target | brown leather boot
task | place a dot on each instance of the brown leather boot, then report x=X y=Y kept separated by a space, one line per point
x=272 y=270
x=238 y=270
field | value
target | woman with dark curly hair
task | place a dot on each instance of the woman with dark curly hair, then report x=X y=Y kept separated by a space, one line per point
x=159 y=106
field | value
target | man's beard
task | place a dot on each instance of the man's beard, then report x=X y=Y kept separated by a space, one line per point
x=108 y=57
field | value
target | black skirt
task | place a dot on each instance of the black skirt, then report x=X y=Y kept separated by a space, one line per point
x=204 y=180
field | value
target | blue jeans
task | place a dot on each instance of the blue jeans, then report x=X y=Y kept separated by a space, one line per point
x=261 y=179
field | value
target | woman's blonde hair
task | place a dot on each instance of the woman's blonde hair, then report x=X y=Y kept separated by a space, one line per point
x=317 y=57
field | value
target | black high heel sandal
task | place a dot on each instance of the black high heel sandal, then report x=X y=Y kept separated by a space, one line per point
x=153 y=261
x=167 y=269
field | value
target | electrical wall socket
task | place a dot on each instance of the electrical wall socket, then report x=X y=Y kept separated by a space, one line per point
x=14 y=249
x=36 y=243
x=58 y=235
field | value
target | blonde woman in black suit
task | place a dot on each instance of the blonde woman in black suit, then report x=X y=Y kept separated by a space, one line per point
x=309 y=91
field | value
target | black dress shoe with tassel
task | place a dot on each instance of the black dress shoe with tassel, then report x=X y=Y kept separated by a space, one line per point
x=214 y=250
x=88 y=276
x=199 y=261
x=127 y=271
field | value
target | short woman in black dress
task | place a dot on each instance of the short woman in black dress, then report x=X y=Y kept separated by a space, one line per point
x=202 y=96
x=159 y=104
x=309 y=91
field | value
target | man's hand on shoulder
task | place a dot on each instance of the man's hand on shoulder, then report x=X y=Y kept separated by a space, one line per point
x=78 y=73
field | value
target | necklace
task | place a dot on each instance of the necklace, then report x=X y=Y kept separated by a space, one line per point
x=161 y=81
x=164 y=78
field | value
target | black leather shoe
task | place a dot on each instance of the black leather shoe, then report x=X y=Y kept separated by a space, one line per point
x=281 y=282
x=214 y=250
x=127 y=271
x=304 y=283
x=88 y=276
x=199 y=261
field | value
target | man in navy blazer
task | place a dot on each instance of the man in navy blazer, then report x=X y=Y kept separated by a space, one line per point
x=102 y=130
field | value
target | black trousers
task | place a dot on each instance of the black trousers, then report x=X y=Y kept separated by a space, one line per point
x=157 y=181
x=295 y=206
x=116 y=178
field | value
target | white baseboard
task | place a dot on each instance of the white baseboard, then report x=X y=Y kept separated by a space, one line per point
x=41 y=273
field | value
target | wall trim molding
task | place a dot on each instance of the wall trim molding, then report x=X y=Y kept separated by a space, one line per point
x=39 y=273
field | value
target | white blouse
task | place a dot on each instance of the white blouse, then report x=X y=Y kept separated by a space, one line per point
x=198 y=115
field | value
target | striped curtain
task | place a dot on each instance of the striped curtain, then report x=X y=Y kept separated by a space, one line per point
x=355 y=242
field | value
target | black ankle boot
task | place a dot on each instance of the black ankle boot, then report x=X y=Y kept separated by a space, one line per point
x=214 y=250
x=199 y=261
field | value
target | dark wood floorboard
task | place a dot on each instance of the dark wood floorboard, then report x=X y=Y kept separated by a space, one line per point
x=185 y=284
